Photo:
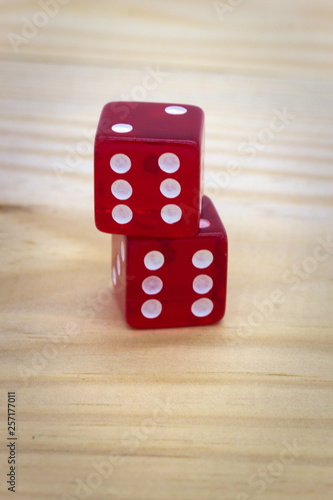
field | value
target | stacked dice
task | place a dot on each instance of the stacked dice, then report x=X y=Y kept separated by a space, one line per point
x=169 y=246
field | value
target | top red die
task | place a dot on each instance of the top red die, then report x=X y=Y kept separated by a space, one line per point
x=148 y=169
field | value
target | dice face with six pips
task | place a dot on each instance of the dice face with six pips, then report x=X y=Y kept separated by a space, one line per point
x=162 y=283
x=169 y=246
x=148 y=170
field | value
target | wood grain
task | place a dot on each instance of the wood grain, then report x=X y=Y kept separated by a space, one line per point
x=235 y=411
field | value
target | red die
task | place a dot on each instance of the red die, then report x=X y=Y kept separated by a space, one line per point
x=148 y=170
x=162 y=283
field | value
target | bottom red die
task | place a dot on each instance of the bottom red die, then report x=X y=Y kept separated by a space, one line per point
x=164 y=283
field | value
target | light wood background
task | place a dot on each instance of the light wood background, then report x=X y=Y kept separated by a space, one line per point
x=191 y=414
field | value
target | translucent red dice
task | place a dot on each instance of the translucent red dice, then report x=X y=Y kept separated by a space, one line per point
x=162 y=283
x=148 y=169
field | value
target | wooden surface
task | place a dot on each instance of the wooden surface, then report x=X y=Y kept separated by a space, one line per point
x=236 y=411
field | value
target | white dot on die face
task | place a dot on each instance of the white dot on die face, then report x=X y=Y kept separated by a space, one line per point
x=154 y=260
x=171 y=214
x=169 y=162
x=120 y=163
x=151 y=308
x=118 y=265
x=170 y=188
x=204 y=223
x=122 y=128
x=122 y=214
x=202 y=259
x=122 y=251
x=152 y=285
x=175 y=110
x=202 y=307
x=122 y=190
x=114 y=276
x=202 y=284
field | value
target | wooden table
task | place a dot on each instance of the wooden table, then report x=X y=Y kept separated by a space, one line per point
x=239 y=410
